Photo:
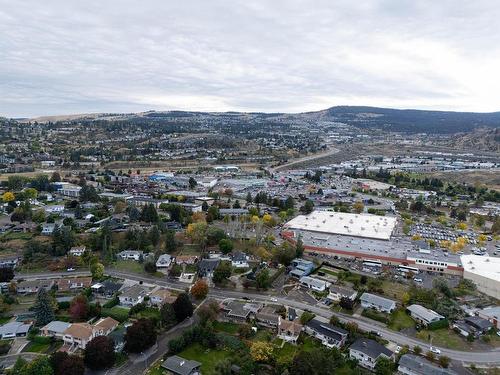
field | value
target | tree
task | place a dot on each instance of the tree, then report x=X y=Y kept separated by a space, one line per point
x=39 y=366
x=97 y=270
x=358 y=207
x=65 y=364
x=170 y=243
x=192 y=183
x=199 y=290
x=299 y=247
x=263 y=279
x=150 y=266
x=208 y=313
x=226 y=245
x=79 y=307
x=167 y=315
x=261 y=351
x=284 y=254
x=306 y=317
x=222 y=272
x=308 y=207
x=44 y=312
x=183 y=307
x=444 y=361
x=249 y=198
x=197 y=232
x=100 y=353
x=318 y=361
x=8 y=196
x=430 y=356
x=245 y=331
x=154 y=235
x=6 y=274
x=56 y=177
x=140 y=336
x=149 y=214
x=384 y=366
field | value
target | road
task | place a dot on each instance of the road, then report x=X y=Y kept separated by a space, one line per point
x=290 y=164
x=487 y=358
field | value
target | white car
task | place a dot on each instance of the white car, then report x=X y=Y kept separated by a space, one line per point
x=71 y=269
x=274 y=299
x=398 y=349
x=418 y=280
x=434 y=350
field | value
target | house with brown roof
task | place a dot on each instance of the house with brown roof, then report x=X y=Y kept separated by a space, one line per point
x=78 y=335
x=105 y=326
x=73 y=283
x=289 y=331
x=161 y=296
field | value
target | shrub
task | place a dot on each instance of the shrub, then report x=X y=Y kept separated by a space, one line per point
x=116 y=313
x=112 y=302
x=437 y=325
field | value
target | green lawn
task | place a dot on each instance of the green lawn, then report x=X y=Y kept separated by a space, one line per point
x=399 y=320
x=328 y=271
x=5 y=319
x=129 y=266
x=207 y=357
x=445 y=337
x=149 y=313
x=16 y=236
x=190 y=249
x=226 y=327
x=394 y=290
x=286 y=353
x=116 y=312
x=36 y=347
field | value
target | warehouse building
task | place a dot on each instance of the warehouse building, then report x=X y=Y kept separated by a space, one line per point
x=484 y=272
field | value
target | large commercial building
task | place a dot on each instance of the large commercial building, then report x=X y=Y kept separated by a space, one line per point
x=484 y=271
x=366 y=237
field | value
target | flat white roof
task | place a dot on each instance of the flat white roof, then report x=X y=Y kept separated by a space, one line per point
x=357 y=225
x=482 y=266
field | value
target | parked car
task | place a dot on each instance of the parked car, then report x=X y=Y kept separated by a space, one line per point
x=71 y=269
x=418 y=280
x=435 y=350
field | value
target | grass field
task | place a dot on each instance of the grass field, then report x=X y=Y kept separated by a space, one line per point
x=129 y=266
x=207 y=357
x=394 y=290
x=226 y=327
x=399 y=320
x=445 y=337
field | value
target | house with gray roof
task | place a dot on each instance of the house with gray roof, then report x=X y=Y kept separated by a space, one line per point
x=133 y=295
x=367 y=352
x=179 y=366
x=330 y=336
x=55 y=328
x=372 y=301
x=410 y=364
x=206 y=267
x=14 y=329
x=424 y=315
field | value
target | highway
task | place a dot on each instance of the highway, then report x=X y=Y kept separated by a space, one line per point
x=485 y=358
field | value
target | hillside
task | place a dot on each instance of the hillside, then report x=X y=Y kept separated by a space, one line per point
x=480 y=139
x=407 y=120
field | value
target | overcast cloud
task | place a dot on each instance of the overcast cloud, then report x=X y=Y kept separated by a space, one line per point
x=72 y=56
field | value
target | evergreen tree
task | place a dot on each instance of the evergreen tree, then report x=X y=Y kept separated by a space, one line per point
x=183 y=307
x=170 y=244
x=299 y=247
x=44 y=313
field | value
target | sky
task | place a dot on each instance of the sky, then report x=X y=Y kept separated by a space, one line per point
x=70 y=56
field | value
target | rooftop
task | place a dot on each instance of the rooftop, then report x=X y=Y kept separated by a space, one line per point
x=484 y=266
x=357 y=225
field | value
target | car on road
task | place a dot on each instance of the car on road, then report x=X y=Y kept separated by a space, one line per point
x=274 y=299
x=418 y=280
x=71 y=269
x=398 y=349
x=434 y=350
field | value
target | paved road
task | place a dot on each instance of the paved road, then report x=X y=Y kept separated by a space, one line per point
x=480 y=358
x=7 y=361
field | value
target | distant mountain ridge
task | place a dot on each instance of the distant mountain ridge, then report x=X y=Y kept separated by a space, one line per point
x=398 y=120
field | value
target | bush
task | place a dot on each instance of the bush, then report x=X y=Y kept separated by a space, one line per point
x=64 y=305
x=111 y=303
x=4 y=347
x=116 y=313
x=375 y=315
x=437 y=325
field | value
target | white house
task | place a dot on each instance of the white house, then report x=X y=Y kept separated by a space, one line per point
x=339 y=292
x=288 y=331
x=77 y=251
x=424 y=315
x=14 y=329
x=133 y=295
x=131 y=255
x=329 y=335
x=48 y=229
x=240 y=260
x=373 y=301
x=367 y=352
x=314 y=284
x=164 y=261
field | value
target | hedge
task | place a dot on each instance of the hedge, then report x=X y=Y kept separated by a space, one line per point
x=375 y=315
x=437 y=325
x=117 y=313
x=111 y=303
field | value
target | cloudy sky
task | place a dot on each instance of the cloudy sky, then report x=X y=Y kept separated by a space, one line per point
x=72 y=56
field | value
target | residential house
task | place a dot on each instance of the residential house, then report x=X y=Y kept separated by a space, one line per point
x=104 y=326
x=131 y=255
x=186 y=259
x=33 y=286
x=164 y=262
x=367 y=352
x=411 y=364
x=301 y=267
x=424 y=315
x=314 y=284
x=55 y=329
x=73 y=283
x=472 y=325
x=179 y=366
x=161 y=296
x=492 y=314
x=233 y=212
x=48 y=229
x=77 y=336
x=336 y=293
x=14 y=329
x=206 y=267
x=9 y=262
x=329 y=335
x=106 y=289
x=240 y=260
x=133 y=295
x=372 y=301
x=289 y=331
x=77 y=251
x=239 y=311
x=267 y=317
